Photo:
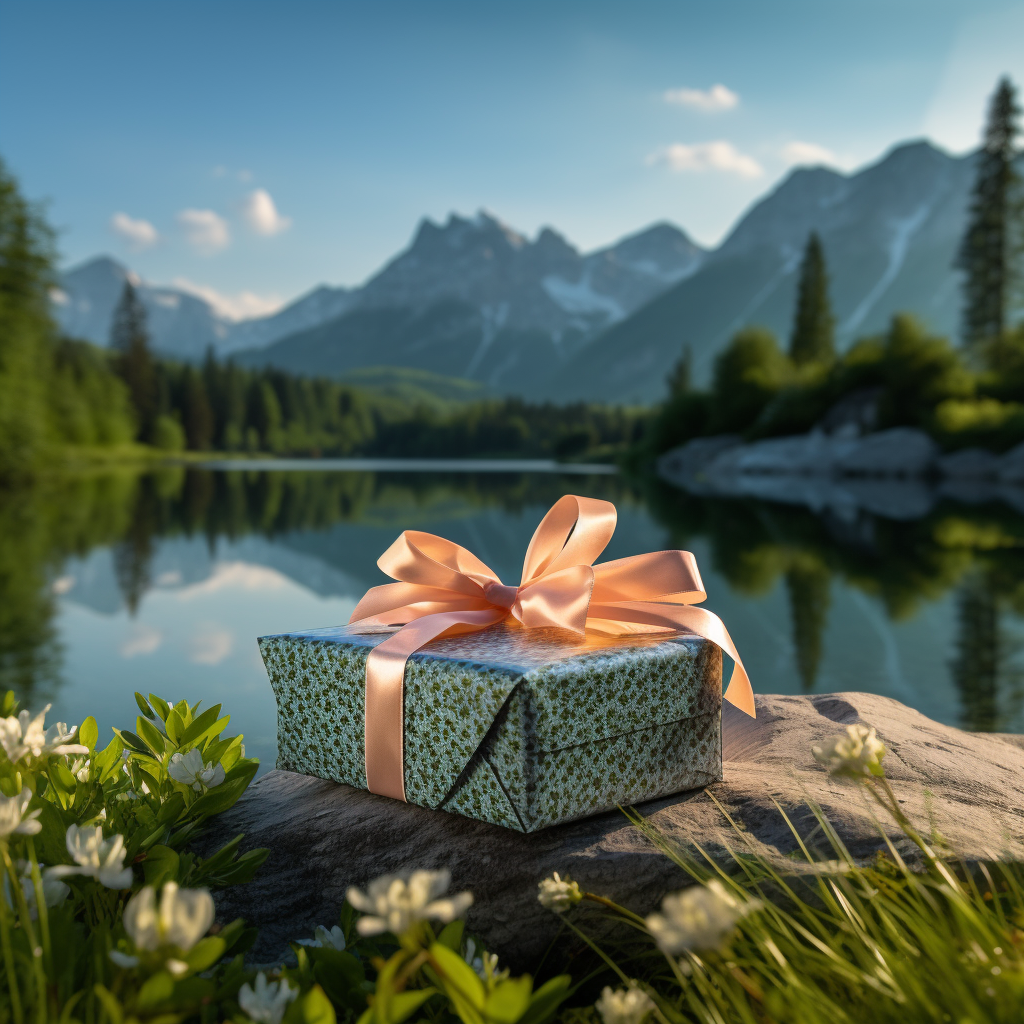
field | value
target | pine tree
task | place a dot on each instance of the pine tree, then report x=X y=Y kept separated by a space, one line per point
x=813 y=324
x=991 y=242
x=679 y=376
x=130 y=340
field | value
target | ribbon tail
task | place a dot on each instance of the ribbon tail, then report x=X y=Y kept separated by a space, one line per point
x=384 y=729
x=697 y=620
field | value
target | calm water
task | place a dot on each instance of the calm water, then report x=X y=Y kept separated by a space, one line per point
x=161 y=582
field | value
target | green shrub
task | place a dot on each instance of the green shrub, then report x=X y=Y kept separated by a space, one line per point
x=168 y=434
x=747 y=375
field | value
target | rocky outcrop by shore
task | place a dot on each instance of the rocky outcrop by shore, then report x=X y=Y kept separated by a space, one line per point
x=324 y=837
x=898 y=473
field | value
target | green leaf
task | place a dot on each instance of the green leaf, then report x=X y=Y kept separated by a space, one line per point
x=205 y=953
x=405 y=1004
x=451 y=934
x=88 y=733
x=547 y=999
x=316 y=1007
x=151 y=735
x=202 y=724
x=130 y=740
x=110 y=1003
x=175 y=727
x=461 y=984
x=509 y=1000
x=160 y=865
x=162 y=707
x=157 y=989
x=143 y=705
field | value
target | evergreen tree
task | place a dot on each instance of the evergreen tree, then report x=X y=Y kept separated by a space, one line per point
x=680 y=374
x=979 y=653
x=813 y=338
x=26 y=261
x=197 y=416
x=130 y=340
x=992 y=240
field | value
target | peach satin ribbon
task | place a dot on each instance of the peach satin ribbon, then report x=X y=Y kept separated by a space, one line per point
x=445 y=590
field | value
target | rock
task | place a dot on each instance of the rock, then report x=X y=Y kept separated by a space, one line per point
x=1012 y=469
x=685 y=464
x=901 y=451
x=324 y=837
x=815 y=454
x=970 y=464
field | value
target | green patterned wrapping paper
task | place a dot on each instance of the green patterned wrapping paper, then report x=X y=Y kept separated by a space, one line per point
x=522 y=728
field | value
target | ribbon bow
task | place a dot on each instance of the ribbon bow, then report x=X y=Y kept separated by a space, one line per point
x=445 y=589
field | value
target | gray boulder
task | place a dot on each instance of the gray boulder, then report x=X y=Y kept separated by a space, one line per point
x=970 y=464
x=1011 y=471
x=901 y=451
x=324 y=837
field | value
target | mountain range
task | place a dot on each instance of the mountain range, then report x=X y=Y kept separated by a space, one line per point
x=474 y=299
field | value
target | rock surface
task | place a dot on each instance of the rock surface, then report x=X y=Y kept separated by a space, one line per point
x=324 y=837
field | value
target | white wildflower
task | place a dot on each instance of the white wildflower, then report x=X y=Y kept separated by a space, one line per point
x=96 y=857
x=190 y=770
x=25 y=736
x=54 y=890
x=396 y=902
x=14 y=820
x=80 y=768
x=266 y=1001
x=558 y=894
x=485 y=964
x=697 y=918
x=125 y=960
x=856 y=753
x=624 y=1006
x=183 y=917
x=324 y=939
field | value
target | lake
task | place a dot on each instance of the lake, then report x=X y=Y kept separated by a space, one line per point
x=161 y=581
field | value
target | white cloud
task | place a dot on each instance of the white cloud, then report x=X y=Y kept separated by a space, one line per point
x=139 y=234
x=811 y=153
x=710 y=101
x=143 y=640
x=261 y=214
x=244 y=175
x=707 y=156
x=206 y=231
x=211 y=644
x=240 y=306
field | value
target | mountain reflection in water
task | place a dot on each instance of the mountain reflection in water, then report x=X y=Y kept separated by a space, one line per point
x=161 y=581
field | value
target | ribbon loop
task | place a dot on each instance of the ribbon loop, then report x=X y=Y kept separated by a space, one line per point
x=445 y=589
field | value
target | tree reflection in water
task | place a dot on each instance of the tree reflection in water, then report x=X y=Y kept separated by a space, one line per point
x=974 y=553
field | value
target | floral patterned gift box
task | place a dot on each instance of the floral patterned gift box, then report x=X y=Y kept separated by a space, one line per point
x=584 y=687
x=522 y=728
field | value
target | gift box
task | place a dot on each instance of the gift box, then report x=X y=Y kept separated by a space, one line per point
x=520 y=727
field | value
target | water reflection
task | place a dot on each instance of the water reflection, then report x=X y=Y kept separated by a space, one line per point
x=160 y=581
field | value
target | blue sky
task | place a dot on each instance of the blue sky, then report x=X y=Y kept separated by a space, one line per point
x=253 y=150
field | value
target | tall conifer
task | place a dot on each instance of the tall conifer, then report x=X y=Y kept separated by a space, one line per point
x=130 y=339
x=991 y=242
x=813 y=338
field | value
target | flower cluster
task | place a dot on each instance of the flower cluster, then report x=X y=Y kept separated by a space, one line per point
x=558 y=894
x=95 y=857
x=698 y=918
x=396 y=902
x=624 y=1006
x=266 y=1002
x=190 y=770
x=24 y=737
x=855 y=753
x=14 y=820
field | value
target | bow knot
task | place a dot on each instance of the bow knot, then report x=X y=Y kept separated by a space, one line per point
x=443 y=589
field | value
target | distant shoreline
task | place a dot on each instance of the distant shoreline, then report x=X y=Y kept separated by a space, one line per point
x=404 y=465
